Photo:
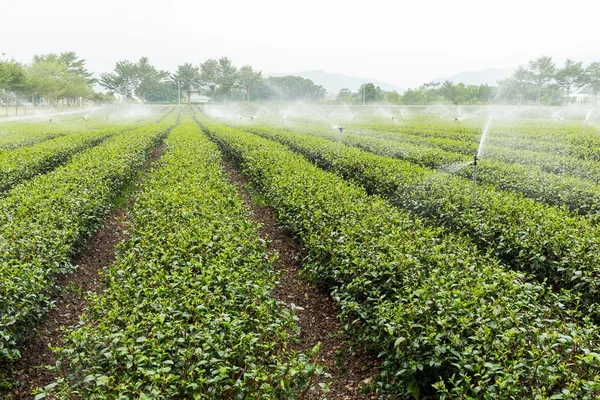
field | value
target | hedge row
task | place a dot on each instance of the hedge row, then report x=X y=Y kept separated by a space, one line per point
x=580 y=196
x=447 y=322
x=43 y=219
x=529 y=236
x=26 y=162
x=188 y=311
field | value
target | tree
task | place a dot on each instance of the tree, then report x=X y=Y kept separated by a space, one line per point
x=521 y=81
x=540 y=73
x=369 y=92
x=450 y=92
x=188 y=77
x=122 y=80
x=592 y=73
x=130 y=79
x=228 y=76
x=209 y=76
x=75 y=80
x=148 y=78
x=164 y=92
x=393 y=97
x=12 y=78
x=345 y=96
x=571 y=76
x=248 y=78
x=46 y=78
x=288 y=88
x=75 y=66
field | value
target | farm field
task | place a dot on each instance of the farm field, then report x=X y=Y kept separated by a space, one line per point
x=132 y=242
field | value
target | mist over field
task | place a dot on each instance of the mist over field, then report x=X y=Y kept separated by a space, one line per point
x=305 y=200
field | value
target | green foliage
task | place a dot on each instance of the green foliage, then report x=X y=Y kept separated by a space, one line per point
x=188 y=311
x=288 y=88
x=248 y=78
x=187 y=77
x=505 y=164
x=532 y=237
x=592 y=73
x=12 y=75
x=129 y=79
x=228 y=76
x=446 y=320
x=571 y=76
x=44 y=219
x=56 y=77
x=209 y=76
x=540 y=72
x=163 y=92
x=26 y=162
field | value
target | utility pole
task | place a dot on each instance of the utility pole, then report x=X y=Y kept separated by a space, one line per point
x=364 y=93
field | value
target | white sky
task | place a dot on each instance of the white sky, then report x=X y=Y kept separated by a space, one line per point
x=405 y=43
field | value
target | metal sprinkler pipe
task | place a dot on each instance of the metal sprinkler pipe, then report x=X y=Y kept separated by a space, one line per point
x=339 y=138
x=585 y=126
x=474 y=175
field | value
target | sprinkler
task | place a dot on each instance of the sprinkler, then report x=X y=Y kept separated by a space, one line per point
x=282 y=122
x=339 y=138
x=455 y=119
x=474 y=175
x=49 y=123
x=252 y=118
x=392 y=118
x=585 y=126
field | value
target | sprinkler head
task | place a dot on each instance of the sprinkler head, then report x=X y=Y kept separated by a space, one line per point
x=455 y=119
x=392 y=118
x=251 y=118
x=50 y=120
x=340 y=129
x=475 y=160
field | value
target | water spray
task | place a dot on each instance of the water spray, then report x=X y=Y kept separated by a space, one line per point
x=585 y=125
x=339 y=138
x=474 y=175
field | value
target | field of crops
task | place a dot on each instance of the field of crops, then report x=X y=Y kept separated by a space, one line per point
x=454 y=287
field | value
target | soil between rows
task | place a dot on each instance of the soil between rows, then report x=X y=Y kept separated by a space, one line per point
x=350 y=369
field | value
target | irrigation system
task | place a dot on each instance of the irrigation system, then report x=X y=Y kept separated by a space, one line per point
x=474 y=175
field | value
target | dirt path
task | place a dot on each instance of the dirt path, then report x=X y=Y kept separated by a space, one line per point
x=96 y=253
x=350 y=370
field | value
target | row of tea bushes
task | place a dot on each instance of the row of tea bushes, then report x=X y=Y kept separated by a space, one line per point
x=188 y=311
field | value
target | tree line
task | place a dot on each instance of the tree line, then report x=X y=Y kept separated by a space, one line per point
x=53 y=79
x=429 y=93
x=541 y=82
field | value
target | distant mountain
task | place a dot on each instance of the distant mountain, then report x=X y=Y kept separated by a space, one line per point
x=488 y=76
x=333 y=82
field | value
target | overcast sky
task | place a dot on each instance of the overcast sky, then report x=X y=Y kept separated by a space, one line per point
x=405 y=43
